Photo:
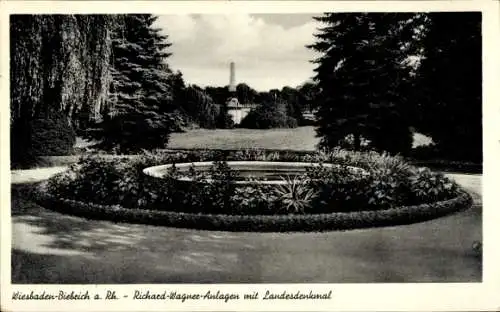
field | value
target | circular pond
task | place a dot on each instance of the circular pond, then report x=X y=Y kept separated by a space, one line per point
x=247 y=172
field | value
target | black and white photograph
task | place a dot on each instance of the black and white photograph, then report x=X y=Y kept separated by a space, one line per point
x=245 y=148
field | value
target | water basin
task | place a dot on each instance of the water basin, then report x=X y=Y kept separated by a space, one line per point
x=260 y=172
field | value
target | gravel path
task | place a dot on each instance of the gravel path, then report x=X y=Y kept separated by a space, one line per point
x=34 y=175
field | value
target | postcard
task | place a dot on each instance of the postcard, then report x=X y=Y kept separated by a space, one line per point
x=250 y=156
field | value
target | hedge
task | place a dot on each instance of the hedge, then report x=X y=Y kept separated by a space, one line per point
x=441 y=165
x=449 y=166
x=262 y=223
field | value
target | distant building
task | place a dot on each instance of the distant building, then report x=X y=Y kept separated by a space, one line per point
x=237 y=110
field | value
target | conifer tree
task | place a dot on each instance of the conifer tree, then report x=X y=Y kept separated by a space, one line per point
x=362 y=80
x=141 y=94
x=200 y=106
x=450 y=84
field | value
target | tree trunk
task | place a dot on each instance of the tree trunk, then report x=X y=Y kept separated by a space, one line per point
x=357 y=141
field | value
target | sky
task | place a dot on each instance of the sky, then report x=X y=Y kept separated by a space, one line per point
x=268 y=49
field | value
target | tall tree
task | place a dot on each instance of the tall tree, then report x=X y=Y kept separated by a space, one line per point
x=178 y=86
x=141 y=96
x=200 y=107
x=59 y=62
x=245 y=94
x=294 y=102
x=450 y=84
x=218 y=94
x=308 y=94
x=362 y=77
x=59 y=68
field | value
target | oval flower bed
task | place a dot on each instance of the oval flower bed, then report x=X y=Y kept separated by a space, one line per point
x=386 y=192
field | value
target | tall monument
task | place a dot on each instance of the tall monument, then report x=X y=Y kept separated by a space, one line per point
x=235 y=110
x=232 y=100
x=232 y=78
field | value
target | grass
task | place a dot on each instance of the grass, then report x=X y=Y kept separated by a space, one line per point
x=302 y=138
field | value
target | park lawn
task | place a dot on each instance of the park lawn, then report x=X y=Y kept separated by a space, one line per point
x=301 y=138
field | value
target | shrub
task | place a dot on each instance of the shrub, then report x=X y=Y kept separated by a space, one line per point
x=130 y=133
x=91 y=179
x=261 y=223
x=296 y=196
x=224 y=120
x=255 y=200
x=393 y=138
x=427 y=186
x=213 y=195
x=50 y=136
x=267 y=116
x=386 y=183
x=456 y=153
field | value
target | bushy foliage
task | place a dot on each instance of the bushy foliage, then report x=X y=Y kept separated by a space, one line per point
x=59 y=62
x=199 y=106
x=262 y=223
x=267 y=116
x=128 y=133
x=50 y=136
x=224 y=120
x=140 y=113
x=427 y=186
x=449 y=96
x=297 y=195
x=379 y=182
x=111 y=181
x=351 y=101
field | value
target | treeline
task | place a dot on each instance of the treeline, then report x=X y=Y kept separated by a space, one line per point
x=380 y=75
x=107 y=78
x=275 y=108
x=104 y=77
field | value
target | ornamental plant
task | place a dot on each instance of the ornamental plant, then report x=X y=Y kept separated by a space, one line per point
x=386 y=182
x=296 y=195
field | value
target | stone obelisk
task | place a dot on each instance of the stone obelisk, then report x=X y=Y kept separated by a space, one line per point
x=232 y=78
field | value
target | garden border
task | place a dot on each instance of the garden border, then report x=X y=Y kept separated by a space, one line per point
x=261 y=223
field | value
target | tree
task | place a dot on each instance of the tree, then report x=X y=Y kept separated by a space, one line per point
x=59 y=69
x=200 y=106
x=268 y=115
x=450 y=85
x=141 y=95
x=308 y=94
x=218 y=94
x=245 y=94
x=362 y=77
x=178 y=89
x=294 y=103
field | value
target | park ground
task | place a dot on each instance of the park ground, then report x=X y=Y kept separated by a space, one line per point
x=49 y=247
